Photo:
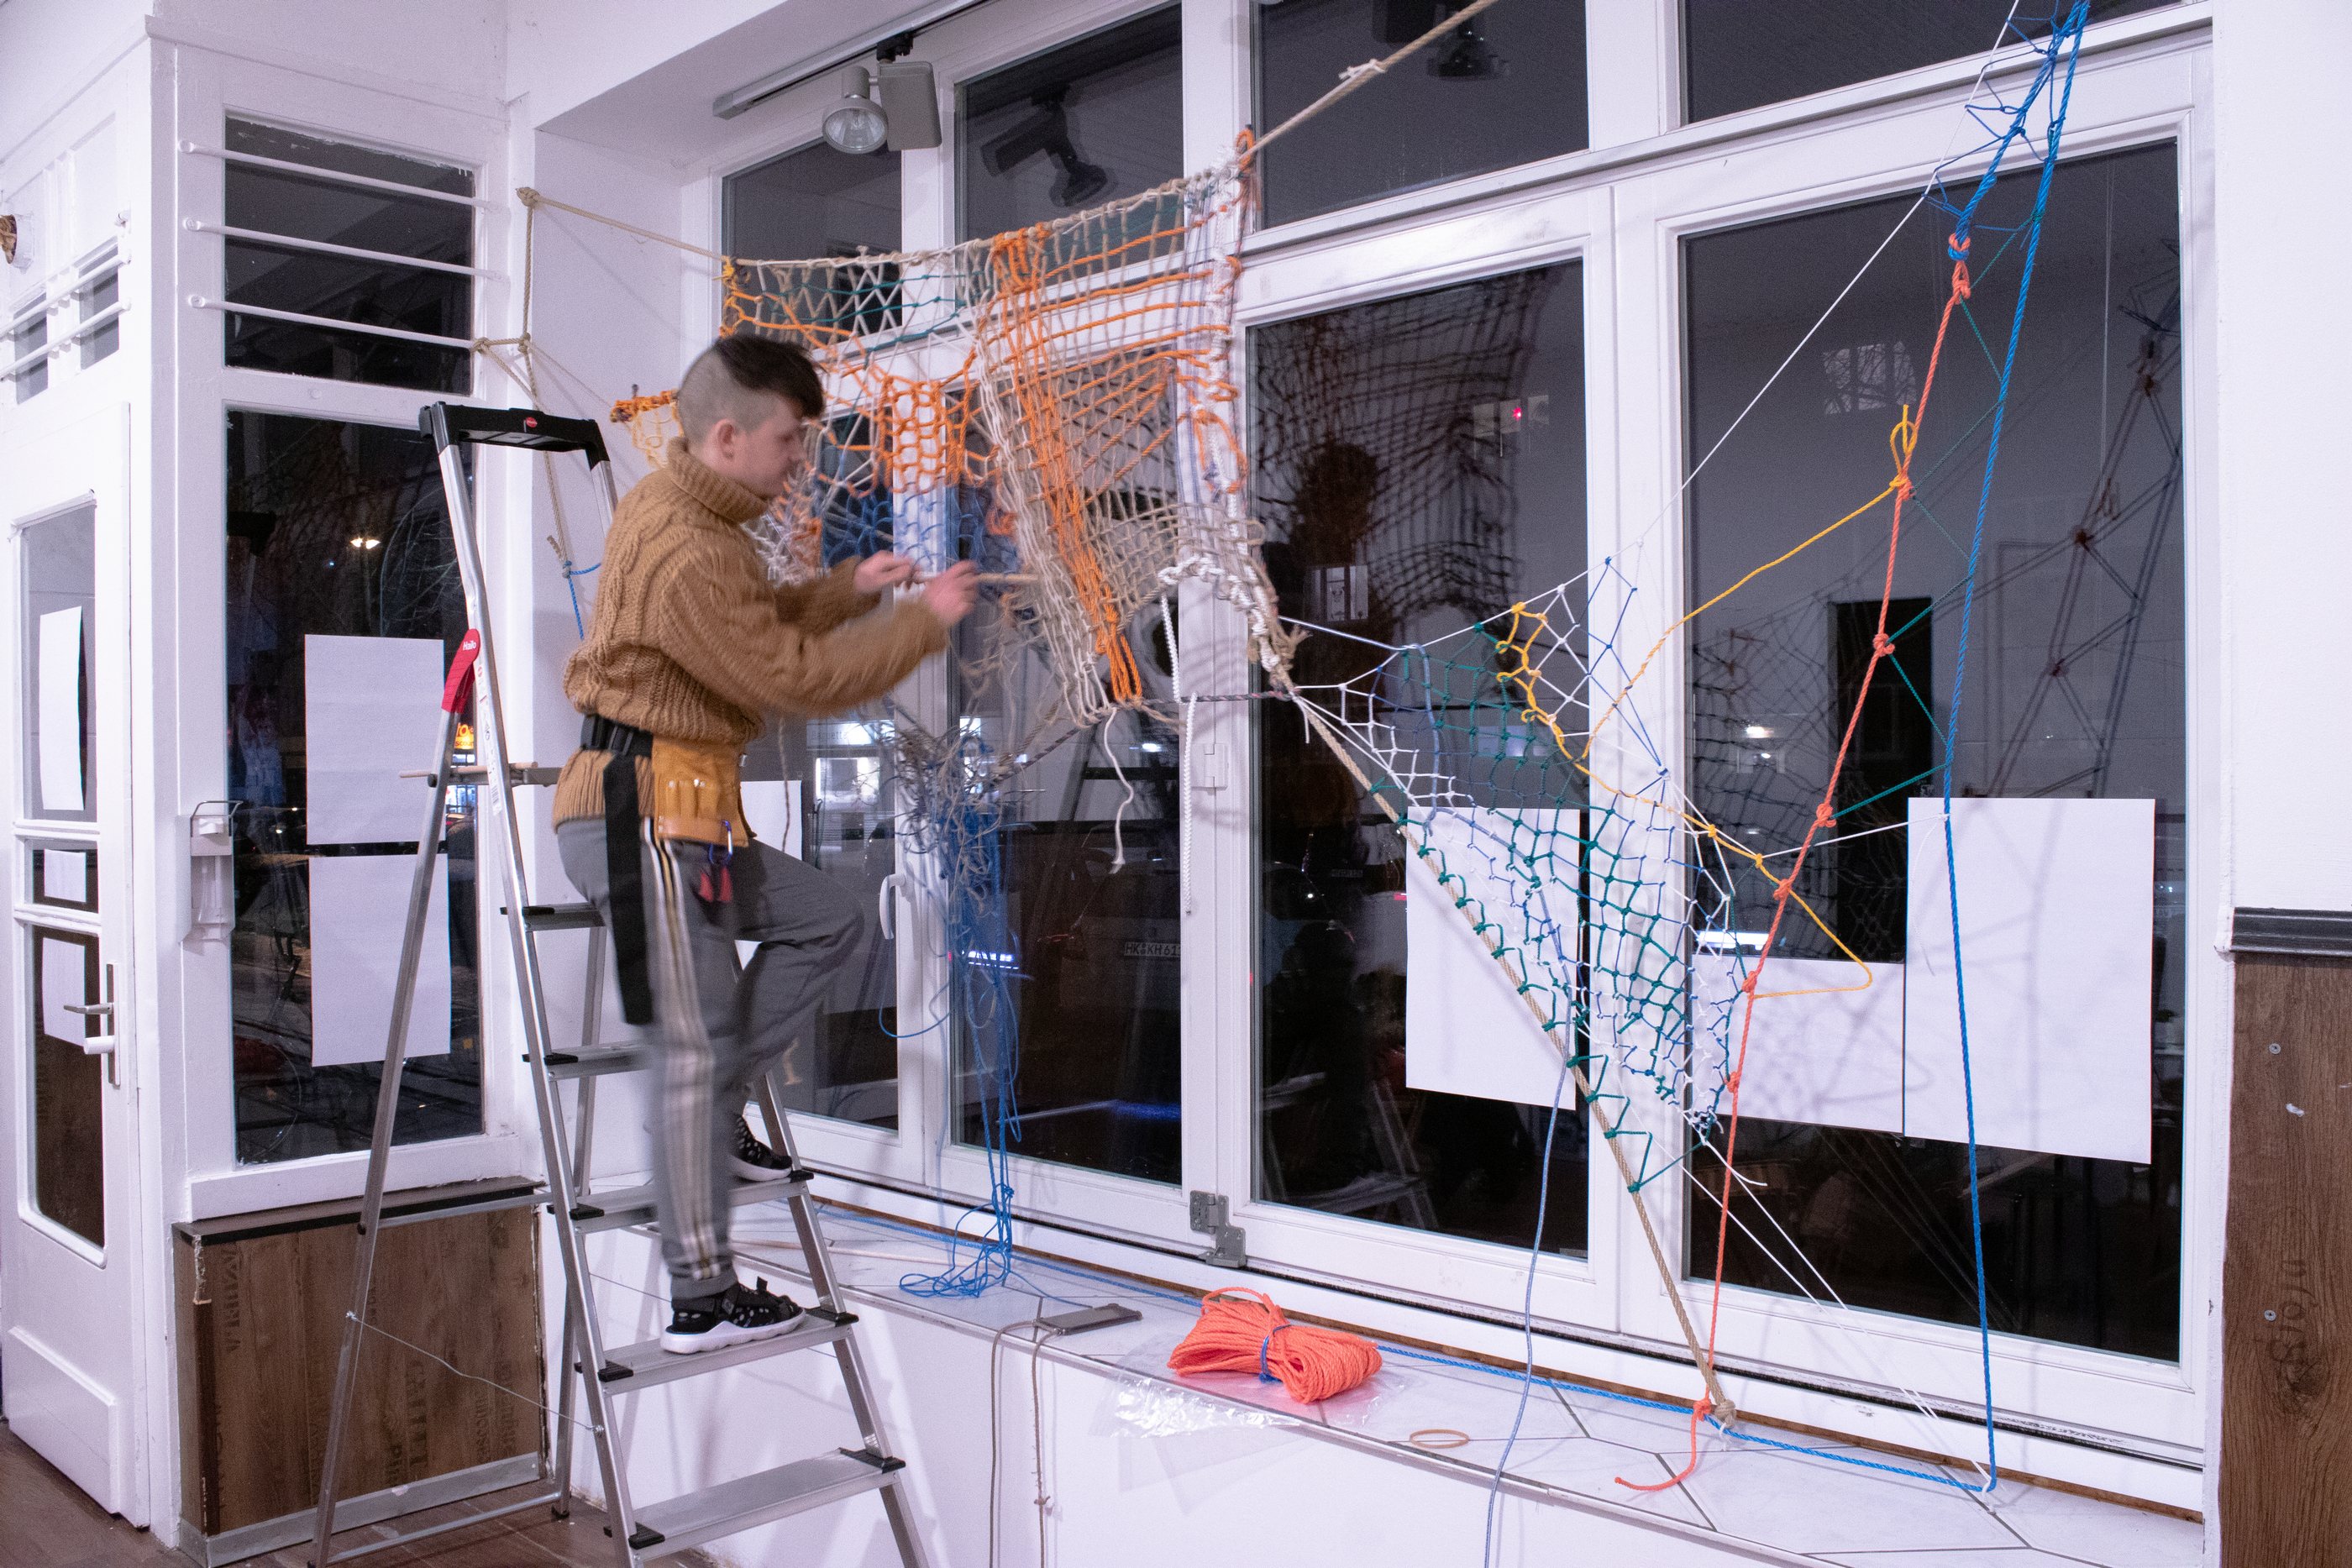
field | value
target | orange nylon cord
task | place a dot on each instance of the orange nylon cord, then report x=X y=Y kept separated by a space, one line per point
x=1905 y=442
x=1243 y=1331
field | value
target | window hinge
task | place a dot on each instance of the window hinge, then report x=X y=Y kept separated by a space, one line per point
x=1213 y=1217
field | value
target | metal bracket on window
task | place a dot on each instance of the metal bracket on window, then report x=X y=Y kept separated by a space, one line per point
x=1212 y=1217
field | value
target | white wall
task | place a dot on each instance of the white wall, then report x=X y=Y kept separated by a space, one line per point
x=445 y=46
x=51 y=50
x=2282 y=127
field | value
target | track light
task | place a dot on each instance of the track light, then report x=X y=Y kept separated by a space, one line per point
x=857 y=124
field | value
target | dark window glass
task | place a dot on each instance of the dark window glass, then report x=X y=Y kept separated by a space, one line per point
x=1090 y=122
x=1505 y=88
x=817 y=202
x=68 y=1083
x=2075 y=683
x=366 y=293
x=100 y=289
x=28 y=334
x=1738 y=54
x=1419 y=464
x=335 y=529
x=1088 y=952
x=343 y=158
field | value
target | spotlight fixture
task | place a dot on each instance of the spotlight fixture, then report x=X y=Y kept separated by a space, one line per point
x=1048 y=131
x=857 y=124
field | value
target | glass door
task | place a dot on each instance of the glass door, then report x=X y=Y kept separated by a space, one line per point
x=70 y=1253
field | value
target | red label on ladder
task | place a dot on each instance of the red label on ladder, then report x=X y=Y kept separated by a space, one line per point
x=460 y=687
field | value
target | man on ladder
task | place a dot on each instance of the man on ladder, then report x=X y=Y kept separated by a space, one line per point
x=690 y=648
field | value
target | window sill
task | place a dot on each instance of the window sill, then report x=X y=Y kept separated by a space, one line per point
x=330 y=1178
x=2160 y=1475
x=1746 y=1502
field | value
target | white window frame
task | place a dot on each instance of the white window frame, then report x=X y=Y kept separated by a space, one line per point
x=1622 y=209
x=212 y=88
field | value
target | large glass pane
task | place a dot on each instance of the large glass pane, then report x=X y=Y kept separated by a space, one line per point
x=1506 y=86
x=60 y=566
x=817 y=202
x=334 y=530
x=1738 y=54
x=323 y=208
x=1088 y=856
x=1419 y=467
x=2075 y=685
x=68 y=1083
x=1090 y=122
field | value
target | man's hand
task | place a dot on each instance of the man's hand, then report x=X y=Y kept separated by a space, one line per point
x=952 y=594
x=877 y=572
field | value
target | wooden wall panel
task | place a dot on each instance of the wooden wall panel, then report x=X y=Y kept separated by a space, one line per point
x=2286 y=1382
x=261 y=1317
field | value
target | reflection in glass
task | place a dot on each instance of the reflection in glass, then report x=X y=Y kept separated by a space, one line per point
x=386 y=294
x=68 y=1083
x=1738 y=54
x=335 y=529
x=2076 y=682
x=1090 y=122
x=1420 y=464
x=1505 y=88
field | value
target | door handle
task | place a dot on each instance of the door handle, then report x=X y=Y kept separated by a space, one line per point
x=104 y=1044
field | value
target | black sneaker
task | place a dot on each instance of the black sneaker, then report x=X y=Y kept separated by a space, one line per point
x=741 y=1312
x=753 y=1160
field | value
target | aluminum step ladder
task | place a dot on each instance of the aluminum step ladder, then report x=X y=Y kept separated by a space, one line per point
x=594 y=1375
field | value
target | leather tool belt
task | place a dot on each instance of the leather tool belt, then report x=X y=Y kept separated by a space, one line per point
x=698 y=798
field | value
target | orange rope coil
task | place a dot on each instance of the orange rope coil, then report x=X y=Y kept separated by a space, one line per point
x=1243 y=1331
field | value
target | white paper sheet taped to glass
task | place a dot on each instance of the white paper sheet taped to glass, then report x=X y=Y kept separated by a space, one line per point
x=359 y=911
x=1468 y=1030
x=60 y=699
x=371 y=712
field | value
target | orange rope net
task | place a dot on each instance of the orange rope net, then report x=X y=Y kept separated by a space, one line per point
x=1055 y=403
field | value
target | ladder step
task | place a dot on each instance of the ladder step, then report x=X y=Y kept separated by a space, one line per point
x=634 y=1205
x=595 y=1061
x=647 y=1365
x=677 y=1524
x=560 y=916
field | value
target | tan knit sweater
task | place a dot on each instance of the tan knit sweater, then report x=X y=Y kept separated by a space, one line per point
x=691 y=641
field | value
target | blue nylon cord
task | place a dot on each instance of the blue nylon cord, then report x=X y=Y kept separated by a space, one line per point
x=2072 y=30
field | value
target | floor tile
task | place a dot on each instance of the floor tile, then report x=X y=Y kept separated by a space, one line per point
x=1592 y=1468
x=1805 y=1503
x=2095 y=1531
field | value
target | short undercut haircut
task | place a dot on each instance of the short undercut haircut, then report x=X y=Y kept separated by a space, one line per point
x=739 y=377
